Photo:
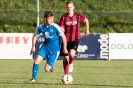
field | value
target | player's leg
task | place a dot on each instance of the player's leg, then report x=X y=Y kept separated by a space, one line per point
x=72 y=57
x=37 y=60
x=47 y=67
x=65 y=60
x=65 y=64
x=35 y=68
x=72 y=52
x=51 y=59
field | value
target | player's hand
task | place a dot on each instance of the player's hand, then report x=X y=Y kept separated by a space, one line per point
x=65 y=52
x=32 y=50
x=87 y=33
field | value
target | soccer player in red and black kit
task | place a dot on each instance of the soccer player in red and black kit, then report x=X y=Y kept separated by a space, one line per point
x=70 y=24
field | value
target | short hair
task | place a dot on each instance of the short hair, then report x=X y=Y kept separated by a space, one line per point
x=48 y=14
x=69 y=2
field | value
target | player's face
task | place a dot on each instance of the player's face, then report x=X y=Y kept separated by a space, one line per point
x=49 y=20
x=70 y=8
x=52 y=19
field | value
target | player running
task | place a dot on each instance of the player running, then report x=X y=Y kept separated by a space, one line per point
x=50 y=47
x=70 y=24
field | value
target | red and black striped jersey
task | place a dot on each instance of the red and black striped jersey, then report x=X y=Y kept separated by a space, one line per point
x=72 y=26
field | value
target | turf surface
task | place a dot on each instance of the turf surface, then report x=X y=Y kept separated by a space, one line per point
x=86 y=74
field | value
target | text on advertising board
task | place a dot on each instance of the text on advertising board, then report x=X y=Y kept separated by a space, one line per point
x=13 y=40
x=104 y=52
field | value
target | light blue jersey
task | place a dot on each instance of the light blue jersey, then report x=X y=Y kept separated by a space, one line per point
x=51 y=35
x=51 y=46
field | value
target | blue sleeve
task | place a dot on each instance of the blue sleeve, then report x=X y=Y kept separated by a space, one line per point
x=59 y=31
x=38 y=31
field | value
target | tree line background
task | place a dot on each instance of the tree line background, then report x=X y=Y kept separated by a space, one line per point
x=105 y=16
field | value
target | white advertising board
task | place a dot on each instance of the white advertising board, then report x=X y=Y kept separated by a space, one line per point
x=15 y=45
x=120 y=45
x=109 y=46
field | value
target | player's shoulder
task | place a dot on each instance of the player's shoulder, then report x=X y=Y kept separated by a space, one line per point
x=55 y=25
x=78 y=13
x=40 y=25
x=64 y=14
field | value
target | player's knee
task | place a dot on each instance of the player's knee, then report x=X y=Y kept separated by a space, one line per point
x=38 y=59
x=36 y=62
x=72 y=54
x=46 y=69
x=65 y=60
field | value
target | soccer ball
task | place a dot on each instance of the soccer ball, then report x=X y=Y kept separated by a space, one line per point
x=67 y=79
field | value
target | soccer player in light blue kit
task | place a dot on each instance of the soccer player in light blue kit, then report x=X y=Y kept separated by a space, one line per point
x=51 y=46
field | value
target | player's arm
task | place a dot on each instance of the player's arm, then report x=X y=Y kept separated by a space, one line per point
x=64 y=43
x=61 y=23
x=87 y=26
x=62 y=28
x=34 y=38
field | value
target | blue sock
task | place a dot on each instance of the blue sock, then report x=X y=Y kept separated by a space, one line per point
x=35 y=71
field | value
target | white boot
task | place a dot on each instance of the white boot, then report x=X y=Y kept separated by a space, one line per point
x=70 y=67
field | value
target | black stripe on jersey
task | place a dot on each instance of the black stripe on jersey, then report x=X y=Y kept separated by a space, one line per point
x=71 y=29
x=76 y=35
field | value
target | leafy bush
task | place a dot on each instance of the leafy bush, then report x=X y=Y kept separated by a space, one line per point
x=105 y=16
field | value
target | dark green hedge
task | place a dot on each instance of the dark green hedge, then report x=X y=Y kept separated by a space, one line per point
x=105 y=16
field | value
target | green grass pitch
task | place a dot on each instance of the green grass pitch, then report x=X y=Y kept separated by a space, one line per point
x=86 y=74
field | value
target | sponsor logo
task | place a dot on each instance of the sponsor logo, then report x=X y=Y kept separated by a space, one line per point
x=47 y=35
x=121 y=46
x=40 y=39
x=71 y=23
x=82 y=48
x=13 y=40
x=51 y=30
x=104 y=52
x=79 y=55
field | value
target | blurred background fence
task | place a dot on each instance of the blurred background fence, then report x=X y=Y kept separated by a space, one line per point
x=105 y=16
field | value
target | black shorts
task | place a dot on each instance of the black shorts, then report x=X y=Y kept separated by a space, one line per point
x=70 y=45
